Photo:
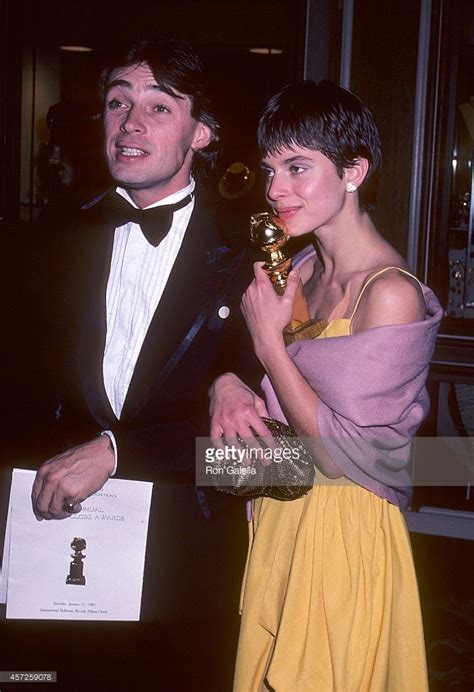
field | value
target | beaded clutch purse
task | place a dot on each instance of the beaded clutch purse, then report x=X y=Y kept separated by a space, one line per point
x=287 y=474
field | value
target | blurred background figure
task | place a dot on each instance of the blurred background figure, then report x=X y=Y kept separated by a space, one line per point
x=72 y=167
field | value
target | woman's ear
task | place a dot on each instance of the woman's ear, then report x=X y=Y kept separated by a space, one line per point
x=355 y=175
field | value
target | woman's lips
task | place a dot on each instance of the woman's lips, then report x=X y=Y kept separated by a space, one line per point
x=286 y=212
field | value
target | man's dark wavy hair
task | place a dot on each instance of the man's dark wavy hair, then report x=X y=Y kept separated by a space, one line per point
x=321 y=116
x=176 y=68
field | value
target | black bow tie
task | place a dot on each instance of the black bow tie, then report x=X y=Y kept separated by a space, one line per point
x=155 y=222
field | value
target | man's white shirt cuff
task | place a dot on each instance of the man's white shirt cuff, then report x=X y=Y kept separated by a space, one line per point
x=113 y=442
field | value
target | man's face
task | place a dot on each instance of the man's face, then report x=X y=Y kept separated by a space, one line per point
x=150 y=136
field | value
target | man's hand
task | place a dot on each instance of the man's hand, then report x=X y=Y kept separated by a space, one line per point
x=234 y=409
x=71 y=476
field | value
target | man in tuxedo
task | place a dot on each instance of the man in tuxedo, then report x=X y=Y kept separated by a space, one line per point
x=149 y=316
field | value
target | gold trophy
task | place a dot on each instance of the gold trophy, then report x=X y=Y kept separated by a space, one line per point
x=268 y=233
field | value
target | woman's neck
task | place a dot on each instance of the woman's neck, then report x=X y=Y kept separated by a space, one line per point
x=347 y=248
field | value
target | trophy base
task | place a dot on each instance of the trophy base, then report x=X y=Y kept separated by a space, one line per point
x=296 y=330
x=80 y=581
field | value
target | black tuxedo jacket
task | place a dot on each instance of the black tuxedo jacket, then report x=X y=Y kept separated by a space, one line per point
x=186 y=346
x=196 y=540
x=55 y=282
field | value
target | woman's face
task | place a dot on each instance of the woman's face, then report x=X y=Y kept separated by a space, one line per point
x=304 y=188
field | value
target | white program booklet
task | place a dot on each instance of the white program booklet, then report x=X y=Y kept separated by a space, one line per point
x=86 y=567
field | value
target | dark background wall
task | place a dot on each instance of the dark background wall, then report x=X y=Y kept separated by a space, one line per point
x=384 y=60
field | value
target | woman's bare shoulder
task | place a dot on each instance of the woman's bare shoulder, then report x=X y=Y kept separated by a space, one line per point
x=392 y=297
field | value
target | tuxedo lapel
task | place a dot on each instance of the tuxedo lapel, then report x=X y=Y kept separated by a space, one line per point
x=95 y=259
x=196 y=275
x=189 y=286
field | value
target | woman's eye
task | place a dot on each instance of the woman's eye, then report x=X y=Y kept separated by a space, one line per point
x=267 y=173
x=159 y=108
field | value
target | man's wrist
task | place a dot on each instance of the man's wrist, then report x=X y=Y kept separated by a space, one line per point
x=112 y=444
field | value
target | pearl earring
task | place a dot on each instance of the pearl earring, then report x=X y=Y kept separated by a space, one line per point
x=350 y=187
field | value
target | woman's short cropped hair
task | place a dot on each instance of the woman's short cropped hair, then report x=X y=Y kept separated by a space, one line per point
x=176 y=68
x=322 y=116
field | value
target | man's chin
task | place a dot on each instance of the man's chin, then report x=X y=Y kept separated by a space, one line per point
x=127 y=176
x=131 y=184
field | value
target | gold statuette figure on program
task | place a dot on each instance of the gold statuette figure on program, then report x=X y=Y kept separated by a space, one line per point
x=268 y=233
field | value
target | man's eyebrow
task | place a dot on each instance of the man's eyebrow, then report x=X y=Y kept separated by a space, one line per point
x=149 y=87
x=119 y=83
x=298 y=157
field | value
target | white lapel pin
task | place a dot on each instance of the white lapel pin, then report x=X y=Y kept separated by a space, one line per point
x=224 y=312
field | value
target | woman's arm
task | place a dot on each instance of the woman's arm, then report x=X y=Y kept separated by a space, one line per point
x=266 y=315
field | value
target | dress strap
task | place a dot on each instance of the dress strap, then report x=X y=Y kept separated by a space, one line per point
x=374 y=276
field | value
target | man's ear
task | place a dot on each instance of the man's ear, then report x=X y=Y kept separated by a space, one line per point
x=202 y=137
x=357 y=172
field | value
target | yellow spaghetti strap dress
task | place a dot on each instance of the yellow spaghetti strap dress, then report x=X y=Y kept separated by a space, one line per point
x=330 y=599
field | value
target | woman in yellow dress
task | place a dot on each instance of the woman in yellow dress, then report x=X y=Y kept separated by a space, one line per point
x=330 y=599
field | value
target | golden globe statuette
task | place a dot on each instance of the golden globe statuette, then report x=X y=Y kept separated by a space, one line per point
x=269 y=234
x=295 y=477
x=270 y=237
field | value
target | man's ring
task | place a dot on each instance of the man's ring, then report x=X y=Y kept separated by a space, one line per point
x=69 y=506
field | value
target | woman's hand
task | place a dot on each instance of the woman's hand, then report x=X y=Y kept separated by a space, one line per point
x=234 y=410
x=267 y=313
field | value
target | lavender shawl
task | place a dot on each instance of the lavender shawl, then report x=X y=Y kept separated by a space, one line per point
x=371 y=387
